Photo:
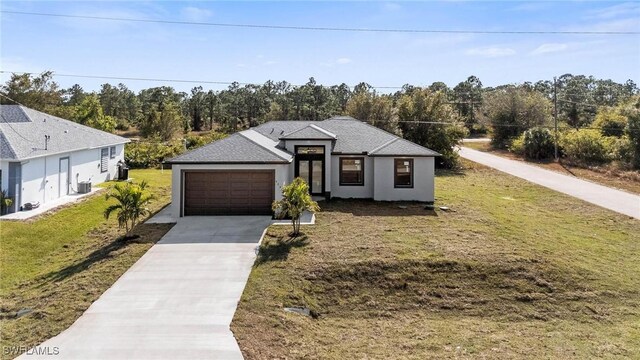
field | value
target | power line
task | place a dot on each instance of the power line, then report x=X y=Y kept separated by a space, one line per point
x=162 y=80
x=324 y=28
x=502 y=125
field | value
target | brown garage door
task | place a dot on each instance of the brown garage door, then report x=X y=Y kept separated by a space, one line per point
x=228 y=192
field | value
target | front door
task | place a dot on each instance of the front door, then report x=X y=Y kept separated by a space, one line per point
x=64 y=177
x=310 y=167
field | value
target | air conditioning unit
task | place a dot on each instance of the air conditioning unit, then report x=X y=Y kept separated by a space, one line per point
x=84 y=187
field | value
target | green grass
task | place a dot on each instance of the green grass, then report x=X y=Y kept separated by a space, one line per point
x=59 y=263
x=514 y=271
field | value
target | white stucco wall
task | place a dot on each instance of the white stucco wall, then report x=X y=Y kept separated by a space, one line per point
x=423 y=180
x=41 y=179
x=290 y=145
x=359 y=192
x=281 y=178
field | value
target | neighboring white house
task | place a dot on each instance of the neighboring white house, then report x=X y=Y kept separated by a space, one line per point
x=339 y=157
x=43 y=157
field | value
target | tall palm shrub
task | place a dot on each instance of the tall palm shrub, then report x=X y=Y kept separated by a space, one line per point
x=132 y=201
x=295 y=200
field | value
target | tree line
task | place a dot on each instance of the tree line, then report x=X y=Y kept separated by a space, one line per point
x=436 y=116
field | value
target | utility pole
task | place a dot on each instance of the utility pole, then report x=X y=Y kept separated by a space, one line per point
x=555 y=116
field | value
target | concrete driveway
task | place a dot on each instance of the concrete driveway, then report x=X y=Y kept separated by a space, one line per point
x=612 y=199
x=176 y=302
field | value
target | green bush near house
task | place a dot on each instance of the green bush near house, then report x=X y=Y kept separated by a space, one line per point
x=5 y=202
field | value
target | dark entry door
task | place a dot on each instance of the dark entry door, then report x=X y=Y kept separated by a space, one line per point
x=310 y=167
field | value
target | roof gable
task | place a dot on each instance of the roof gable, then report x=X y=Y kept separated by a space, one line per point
x=399 y=146
x=24 y=130
x=309 y=132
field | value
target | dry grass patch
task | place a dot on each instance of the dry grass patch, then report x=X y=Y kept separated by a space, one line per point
x=514 y=271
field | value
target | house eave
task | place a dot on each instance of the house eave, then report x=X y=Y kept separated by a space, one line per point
x=65 y=152
x=226 y=162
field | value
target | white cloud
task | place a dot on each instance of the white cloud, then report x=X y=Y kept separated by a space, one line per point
x=491 y=52
x=343 y=61
x=391 y=6
x=610 y=12
x=530 y=6
x=191 y=13
x=549 y=48
x=270 y=62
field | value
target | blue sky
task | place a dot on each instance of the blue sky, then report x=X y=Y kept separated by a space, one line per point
x=169 y=51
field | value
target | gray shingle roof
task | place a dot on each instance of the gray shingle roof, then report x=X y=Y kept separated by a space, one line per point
x=310 y=131
x=401 y=146
x=237 y=148
x=260 y=144
x=23 y=130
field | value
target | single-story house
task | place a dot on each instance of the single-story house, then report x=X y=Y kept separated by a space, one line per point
x=340 y=157
x=44 y=157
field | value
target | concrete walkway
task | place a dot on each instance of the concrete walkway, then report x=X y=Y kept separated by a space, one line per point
x=612 y=199
x=176 y=302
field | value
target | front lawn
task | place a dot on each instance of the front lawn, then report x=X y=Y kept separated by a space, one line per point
x=59 y=263
x=513 y=271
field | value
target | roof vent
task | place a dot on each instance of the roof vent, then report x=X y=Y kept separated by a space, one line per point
x=271 y=131
x=281 y=132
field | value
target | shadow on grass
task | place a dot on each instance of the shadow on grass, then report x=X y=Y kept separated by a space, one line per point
x=143 y=233
x=278 y=249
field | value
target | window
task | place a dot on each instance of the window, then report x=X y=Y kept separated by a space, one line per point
x=403 y=173
x=310 y=150
x=351 y=171
x=112 y=152
x=104 y=160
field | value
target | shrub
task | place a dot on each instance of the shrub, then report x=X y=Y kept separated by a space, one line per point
x=632 y=112
x=132 y=200
x=538 y=143
x=610 y=121
x=622 y=150
x=196 y=141
x=517 y=145
x=5 y=202
x=295 y=200
x=151 y=153
x=587 y=146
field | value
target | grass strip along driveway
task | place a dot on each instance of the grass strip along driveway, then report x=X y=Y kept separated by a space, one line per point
x=514 y=270
x=57 y=264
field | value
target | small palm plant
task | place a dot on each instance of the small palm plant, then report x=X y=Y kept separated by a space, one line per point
x=5 y=202
x=132 y=201
x=295 y=200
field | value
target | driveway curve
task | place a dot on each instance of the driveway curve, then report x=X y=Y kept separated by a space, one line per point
x=176 y=301
x=616 y=200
